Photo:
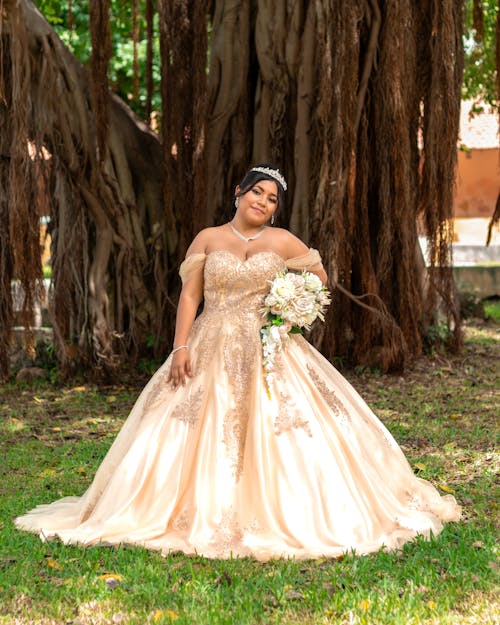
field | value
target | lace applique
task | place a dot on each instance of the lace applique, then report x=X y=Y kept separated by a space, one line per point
x=181 y=521
x=234 y=439
x=289 y=417
x=415 y=502
x=188 y=411
x=205 y=349
x=228 y=536
x=238 y=287
x=341 y=411
x=159 y=389
x=334 y=403
x=240 y=356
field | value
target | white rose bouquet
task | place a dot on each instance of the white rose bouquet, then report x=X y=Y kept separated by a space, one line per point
x=294 y=301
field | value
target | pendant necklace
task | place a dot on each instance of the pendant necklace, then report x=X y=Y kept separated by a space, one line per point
x=243 y=237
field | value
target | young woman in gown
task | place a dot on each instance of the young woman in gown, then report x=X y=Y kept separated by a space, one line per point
x=210 y=462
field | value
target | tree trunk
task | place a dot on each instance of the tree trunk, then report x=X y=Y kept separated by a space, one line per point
x=357 y=103
x=111 y=250
x=337 y=94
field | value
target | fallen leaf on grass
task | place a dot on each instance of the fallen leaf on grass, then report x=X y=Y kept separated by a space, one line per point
x=478 y=544
x=62 y=582
x=421 y=466
x=53 y=564
x=158 y=615
x=47 y=473
x=365 y=605
x=105 y=576
x=446 y=488
x=112 y=580
x=432 y=605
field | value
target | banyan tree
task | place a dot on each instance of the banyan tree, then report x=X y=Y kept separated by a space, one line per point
x=357 y=102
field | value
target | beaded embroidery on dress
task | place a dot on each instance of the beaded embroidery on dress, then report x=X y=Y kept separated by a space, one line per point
x=222 y=468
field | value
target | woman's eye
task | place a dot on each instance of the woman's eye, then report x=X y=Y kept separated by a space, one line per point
x=256 y=191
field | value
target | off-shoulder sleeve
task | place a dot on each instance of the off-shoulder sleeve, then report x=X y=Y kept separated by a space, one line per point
x=191 y=266
x=311 y=260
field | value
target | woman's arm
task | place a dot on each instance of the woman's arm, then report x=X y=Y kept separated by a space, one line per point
x=189 y=300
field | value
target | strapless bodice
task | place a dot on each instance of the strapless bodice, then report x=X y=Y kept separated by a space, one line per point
x=235 y=286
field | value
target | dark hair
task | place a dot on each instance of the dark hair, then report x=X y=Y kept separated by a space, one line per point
x=252 y=177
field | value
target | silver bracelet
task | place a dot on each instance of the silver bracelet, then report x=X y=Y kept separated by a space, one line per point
x=178 y=348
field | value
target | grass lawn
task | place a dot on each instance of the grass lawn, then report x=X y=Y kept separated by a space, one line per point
x=443 y=414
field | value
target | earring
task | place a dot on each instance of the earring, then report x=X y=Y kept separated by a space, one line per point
x=237 y=202
x=272 y=220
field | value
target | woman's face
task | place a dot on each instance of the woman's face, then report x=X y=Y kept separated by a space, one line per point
x=259 y=203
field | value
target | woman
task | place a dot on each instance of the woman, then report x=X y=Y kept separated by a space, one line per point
x=211 y=461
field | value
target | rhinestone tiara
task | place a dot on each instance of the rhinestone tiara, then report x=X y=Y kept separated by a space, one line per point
x=274 y=173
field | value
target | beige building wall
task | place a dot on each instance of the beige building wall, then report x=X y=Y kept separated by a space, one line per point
x=478 y=183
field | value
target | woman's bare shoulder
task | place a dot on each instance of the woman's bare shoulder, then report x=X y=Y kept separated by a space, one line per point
x=203 y=239
x=290 y=245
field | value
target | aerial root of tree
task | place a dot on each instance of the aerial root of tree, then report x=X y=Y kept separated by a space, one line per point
x=110 y=248
x=383 y=182
x=357 y=102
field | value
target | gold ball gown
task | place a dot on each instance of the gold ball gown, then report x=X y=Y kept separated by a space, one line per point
x=221 y=467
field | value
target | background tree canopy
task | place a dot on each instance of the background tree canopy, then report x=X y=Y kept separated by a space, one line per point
x=358 y=104
x=481 y=52
x=71 y=22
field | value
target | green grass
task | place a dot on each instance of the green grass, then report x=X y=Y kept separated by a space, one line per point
x=492 y=309
x=443 y=414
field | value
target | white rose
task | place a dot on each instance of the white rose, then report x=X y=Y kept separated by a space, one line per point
x=270 y=301
x=282 y=289
x=296 y=279
x=302 y=305
x=312 y=282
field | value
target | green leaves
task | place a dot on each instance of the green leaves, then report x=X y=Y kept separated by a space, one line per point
x=480 y=66
x=121 y=64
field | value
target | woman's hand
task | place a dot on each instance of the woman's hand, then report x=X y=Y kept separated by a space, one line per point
x=180 y=368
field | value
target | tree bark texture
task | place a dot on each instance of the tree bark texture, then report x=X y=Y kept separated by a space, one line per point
x=110 y=244
x=357 y=103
